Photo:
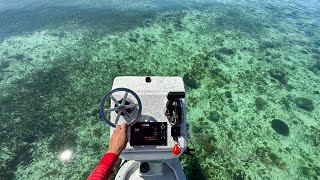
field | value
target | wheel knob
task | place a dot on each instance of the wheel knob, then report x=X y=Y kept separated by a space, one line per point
x=176 y=149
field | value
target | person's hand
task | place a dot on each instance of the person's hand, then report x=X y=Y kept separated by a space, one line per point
x=118 y=140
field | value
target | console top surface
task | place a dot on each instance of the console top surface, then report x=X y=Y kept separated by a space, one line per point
x=153 y=123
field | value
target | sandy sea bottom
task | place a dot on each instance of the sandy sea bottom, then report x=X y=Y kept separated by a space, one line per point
x=251 y=71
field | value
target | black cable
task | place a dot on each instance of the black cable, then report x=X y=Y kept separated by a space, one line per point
x=123 y=163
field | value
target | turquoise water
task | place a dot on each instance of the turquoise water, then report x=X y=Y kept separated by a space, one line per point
x=252 y=72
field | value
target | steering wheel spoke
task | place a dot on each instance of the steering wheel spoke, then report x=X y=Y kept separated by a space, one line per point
x=120 y=108
x=111 y=109
x=114 y=100
x=130 y=106
x=124 y=98
x=127 y=114
x=117 y=118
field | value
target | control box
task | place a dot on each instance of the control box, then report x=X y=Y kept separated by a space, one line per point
x=150 y=136
x=148 y=133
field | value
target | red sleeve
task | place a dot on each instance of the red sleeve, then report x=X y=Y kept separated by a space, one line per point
x=105 y=167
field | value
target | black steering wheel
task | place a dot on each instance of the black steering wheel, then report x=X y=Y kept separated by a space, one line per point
x=129 y=108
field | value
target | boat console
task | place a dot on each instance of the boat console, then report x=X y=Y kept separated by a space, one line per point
x=155 y=110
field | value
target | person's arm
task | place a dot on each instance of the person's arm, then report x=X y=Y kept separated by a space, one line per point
x=118 y=142
x=104 y=168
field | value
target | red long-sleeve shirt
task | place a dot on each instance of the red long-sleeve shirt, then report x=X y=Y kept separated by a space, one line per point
x=104 y=168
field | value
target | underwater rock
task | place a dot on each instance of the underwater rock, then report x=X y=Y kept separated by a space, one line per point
x=239 y=175
x=133 y=40
x=23 y=154
x=190 y=81
x=146 y=39
x=29 y=137
x=316 y=57
x=205 y=64
x=317 y=43
x=312 y=172
x=304 y=103
x=214 y=116
x=289 y=87
x=303 y=51
x=228 y=94
x=226 y=51
x=308 y=33
x=218 y=57
x=285 y=102
x=197 y=129
x=4 y=65
x=280 y=127
x=260 y=103
x=268 y=53
x=267 y=45
x=316 y=51
x=234 y=107
x=18 y=57
x=63 y=140
x=94 y=112
x=317 y=65
x=278 y=75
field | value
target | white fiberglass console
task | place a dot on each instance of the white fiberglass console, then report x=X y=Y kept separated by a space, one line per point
x=155 y=109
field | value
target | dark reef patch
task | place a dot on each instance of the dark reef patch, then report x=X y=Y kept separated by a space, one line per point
x=63 y=140
x=312 y=172
x=316 y=57
x=190 y=81
x=268 y=53
x=304 y=103
x=317 y=43
x=215 y=72
x=268 y=45
x=18 y=57
x=285 y=102
x=280 y=127
x=260 y=103
x=214 y=116
x=193 y=169
x=133 y=40
x=98 y=20
x=239 y=175
x=21 y=155
x=226 y=51
x=199 y=127
x=219 y=57
x=315 y=51
x=317 y=65
x=208 y=143
x=228 y=94
x=4 y=65
x=278 y=75
x=27 y=101
x=238 y=21
x=304 y=51
x=234 y=107
x=268 y=157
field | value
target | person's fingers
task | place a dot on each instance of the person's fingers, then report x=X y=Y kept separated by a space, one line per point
x=117 y=128
x=124 y=127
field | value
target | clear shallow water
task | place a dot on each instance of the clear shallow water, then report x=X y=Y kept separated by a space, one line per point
x=246 y=64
